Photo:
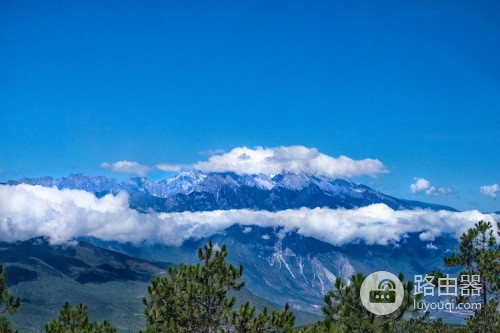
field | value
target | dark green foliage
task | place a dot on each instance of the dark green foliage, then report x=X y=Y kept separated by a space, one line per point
x=487 y=319
x=8 y=303
x=5 y=326
x=76 y=320
x=245 y=320
x=320 y=327
x=425 y=325
x=194 y=298
x=346 y=312
x=344 y=308
x=479 y=254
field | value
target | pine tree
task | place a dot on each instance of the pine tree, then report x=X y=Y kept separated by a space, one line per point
x=425 y=325
x=479 y=254
x=8 y=303
x=345 y=312
x=76 y=320
x=6 y=326
x=194 y=298
x=246 y=320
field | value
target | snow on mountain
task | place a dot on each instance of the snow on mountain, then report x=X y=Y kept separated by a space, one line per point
x=286 y=267
x=185 y=182
x=199 y=191
x=96 y=184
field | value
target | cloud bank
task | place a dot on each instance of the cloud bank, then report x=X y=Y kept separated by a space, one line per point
x=296 y=159
x=422 y=185
x=134 y=168
x=490 y=190
x=28 y=211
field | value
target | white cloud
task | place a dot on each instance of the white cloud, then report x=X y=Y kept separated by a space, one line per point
x=246 y=230
x=422 y=185
x=211 y=152
x=296 y=159
x=266 y=237
x=490 y=190
x=217 y=247
x=127 y=167
x=426 y=236
x=169 y=167
x=431 y=246
x=28 y=211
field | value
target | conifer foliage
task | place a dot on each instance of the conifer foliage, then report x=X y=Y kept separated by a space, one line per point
x=76 y=320
x=194 y=298
x=479 y=254
x=345 y=311
x=8 y=303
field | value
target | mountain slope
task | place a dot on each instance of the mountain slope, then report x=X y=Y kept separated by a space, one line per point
x=110 y=283
x=288 y=267
x=46 y=276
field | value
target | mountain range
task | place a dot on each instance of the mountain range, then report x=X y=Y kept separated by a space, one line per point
x=280 y=266
x=198 y=191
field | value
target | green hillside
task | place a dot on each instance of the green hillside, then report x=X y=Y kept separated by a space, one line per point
x=110 y=283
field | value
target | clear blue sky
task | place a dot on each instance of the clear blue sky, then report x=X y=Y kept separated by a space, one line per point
x=413 y=84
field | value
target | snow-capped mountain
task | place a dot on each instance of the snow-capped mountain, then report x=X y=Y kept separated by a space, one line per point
x=198 y=191
x=279 y=266
x=95 y=184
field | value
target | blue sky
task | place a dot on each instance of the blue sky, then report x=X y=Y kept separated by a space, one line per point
x=414 y=85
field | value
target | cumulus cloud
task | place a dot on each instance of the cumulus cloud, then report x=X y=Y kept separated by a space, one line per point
x=426 y=236
x=422 y=185
x=296 y=159
x=127 y=167
x=28 y=211
x=490 y=190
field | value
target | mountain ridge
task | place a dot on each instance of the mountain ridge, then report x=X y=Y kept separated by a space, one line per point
x=199 y=191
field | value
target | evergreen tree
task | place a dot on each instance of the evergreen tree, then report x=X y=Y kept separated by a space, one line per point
x=320 y=327
x=76 y=320
x=479 y=254
x=425 y=325
x=486 y=319
x=345 y=312
x=245 y=320
x=6 y=326
x=8 y=303
x=194 y=298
